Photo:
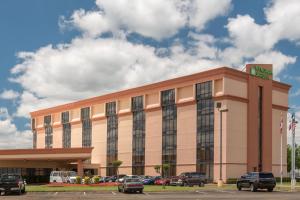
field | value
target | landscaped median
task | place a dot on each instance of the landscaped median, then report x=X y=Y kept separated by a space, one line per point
x=148 y=188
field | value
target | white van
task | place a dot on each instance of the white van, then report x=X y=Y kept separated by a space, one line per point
x=63 y=177
x=58 y=177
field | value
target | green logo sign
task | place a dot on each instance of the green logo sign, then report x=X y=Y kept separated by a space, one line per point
x=260 y=72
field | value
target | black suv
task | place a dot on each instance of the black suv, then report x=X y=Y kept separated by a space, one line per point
x=257 y=180
x=192 y=178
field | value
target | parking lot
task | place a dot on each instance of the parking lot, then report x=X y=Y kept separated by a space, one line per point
x=197 y=195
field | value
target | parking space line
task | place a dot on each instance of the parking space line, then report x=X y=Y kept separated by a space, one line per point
x=84 y=193
x=55 y=193
x=113 y=193
x=226 y=191
x=200 y=192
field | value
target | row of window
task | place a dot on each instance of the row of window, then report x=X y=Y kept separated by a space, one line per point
x=205 y=131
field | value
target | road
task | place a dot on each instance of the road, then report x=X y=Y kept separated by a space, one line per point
x=198 y=195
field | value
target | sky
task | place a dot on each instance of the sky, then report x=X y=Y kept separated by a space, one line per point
x=58 y=51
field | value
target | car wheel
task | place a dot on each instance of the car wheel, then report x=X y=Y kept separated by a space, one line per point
x=141 y=191
x=201 y=184
x=239 y=186
x=119 y=190
x=23 y=190
x=253 y=188
x=270 y=189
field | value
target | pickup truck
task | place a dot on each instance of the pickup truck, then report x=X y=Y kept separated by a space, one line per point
x=12 y=183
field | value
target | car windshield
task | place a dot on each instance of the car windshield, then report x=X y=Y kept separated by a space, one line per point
x=9 y=177
x=131 y=180
x=266 y=175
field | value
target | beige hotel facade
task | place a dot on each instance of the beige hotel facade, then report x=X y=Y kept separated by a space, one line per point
x=175 y=121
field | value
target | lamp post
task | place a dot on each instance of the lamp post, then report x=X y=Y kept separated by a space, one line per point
x=221 y=110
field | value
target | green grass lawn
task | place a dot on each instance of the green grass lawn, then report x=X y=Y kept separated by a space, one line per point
x=148 y=188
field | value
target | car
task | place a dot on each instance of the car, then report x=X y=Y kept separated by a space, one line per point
x=162 y=181
x=12 y=183
x=192 y=178
x=104 y=179
x=148 y=180
x=131 y=185
x=120 y=177
x=257 y=180
x=58 y=177
x=174 y=181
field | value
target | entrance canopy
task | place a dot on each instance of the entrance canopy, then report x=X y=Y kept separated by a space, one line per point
x=44 y=158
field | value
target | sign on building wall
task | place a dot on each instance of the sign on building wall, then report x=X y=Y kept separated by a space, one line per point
x=260 y=72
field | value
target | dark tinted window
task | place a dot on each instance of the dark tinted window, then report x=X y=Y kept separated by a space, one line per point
x=266 y=175
x=10 y=177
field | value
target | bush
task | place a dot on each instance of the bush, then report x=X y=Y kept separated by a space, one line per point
x=86 y=180
x=96 y=179
x=78 y=180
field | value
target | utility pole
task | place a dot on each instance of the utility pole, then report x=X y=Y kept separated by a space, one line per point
x=293 y=126
x=219 y=105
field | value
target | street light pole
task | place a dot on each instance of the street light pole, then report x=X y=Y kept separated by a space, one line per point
x=219 y=105
x=293 y=178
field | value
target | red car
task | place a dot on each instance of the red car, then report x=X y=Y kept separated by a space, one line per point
x=162 y=181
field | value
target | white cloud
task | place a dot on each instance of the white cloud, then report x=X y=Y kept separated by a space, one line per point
x=151 y=18
x=10 y=136
x=9 y=94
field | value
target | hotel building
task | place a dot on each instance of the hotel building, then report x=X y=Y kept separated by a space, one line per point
x=175 y=122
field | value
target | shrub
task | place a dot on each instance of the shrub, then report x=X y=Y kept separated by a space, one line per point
x=78 y=180
x=96 y=179
x=86 y=180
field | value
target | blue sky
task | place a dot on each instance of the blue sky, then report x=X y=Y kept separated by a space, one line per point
x=55 y=51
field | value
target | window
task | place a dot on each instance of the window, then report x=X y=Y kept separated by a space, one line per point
x=138 y=136
x=169 y=131
x=34 y=136
x=66 y=139
x=86 y=127
x=112 y=138
x=205 y=129
x=48 y=132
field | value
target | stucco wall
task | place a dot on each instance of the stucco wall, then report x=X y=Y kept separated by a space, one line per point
x=125 y=143
x=186 y=138
x=280 y=98
x=76 y=135
x=98 y=136
x=57 y=137
x=235 y=87
x=40 y=140
x=153 y=141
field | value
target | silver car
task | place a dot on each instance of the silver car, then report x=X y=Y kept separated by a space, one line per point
x=131 y=185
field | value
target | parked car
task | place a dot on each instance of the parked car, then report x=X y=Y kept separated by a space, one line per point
x=131 y=185
x=174 y=181
x=120 y=177
x=148 y=180
x=192 y=178
x=104 y=179
x=162 y=181
x=12 y=183
x=257 y=180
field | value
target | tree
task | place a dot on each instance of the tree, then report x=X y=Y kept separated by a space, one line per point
x=166 y=168
x=116 y=164
x=157 y=169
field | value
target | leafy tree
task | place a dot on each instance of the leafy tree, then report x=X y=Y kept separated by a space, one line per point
x=165 y=168
x=116 y=164
x=289 y=158
x=157 y=169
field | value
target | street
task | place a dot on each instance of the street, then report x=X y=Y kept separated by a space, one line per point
x=197 y=195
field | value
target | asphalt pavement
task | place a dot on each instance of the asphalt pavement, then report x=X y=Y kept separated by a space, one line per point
x=196 y=195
